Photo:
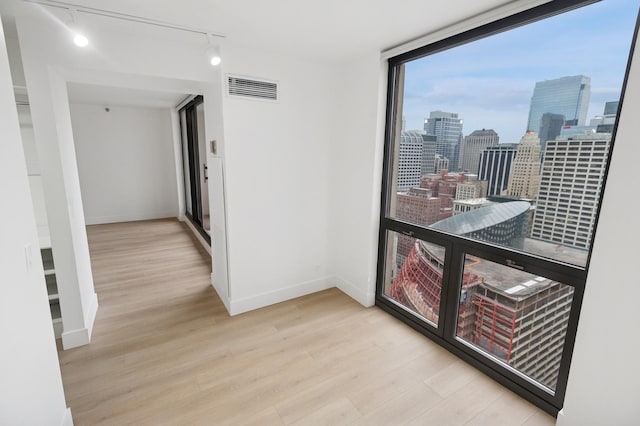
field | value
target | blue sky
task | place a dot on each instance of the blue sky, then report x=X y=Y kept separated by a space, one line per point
x=489 y=83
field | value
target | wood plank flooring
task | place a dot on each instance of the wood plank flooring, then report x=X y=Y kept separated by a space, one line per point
x=164 y=351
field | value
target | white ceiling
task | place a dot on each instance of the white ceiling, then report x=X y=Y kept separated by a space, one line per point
x=324 y=29
x=115 y=96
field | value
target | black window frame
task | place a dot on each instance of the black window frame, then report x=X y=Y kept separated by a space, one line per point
x=457 y=246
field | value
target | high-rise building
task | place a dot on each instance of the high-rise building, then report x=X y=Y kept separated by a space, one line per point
x=472 y=188
x=512 y=307
x=515 y=316
x=495 y=166
x=473 y=146
x=604 y=123
x=550 y=127
x=447 y=127
x=441 y=163
x=428 y=154
x=611 y=108
x=571 y=130
x=468 y=204
x=445 y=187
x=416 y=206
x=570 y=186
x=568 y=96
x=525 y=170
x=410 y=160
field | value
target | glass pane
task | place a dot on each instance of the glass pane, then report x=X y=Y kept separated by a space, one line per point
x=185 y=162
x=515 y=317
x=414 y=275
x=506 y=139
x=204 y=173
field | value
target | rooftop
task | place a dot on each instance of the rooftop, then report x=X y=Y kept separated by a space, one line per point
x=574 y=256
x=473 y=201
x=485 y=217
x=511 y=282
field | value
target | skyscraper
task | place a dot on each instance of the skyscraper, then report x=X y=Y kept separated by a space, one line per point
x=471 y=188
x=409 y=160
x=604 y=123
x=447 y=127
x=495 y=166
x=550 y=127
x=428 y=154
x=416 y=206
x=611 y=108
x=525 y=170
x=504 y=310
x=570 y=186
x=473 y=146
x=568 y=96
x=441 y=163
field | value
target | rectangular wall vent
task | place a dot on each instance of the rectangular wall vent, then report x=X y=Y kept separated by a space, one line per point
x=252 y=88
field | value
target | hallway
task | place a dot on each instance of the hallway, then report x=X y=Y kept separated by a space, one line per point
x=165 y=351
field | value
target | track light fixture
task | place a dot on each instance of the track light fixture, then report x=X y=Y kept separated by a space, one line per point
x=213 y=53
x=79 y=39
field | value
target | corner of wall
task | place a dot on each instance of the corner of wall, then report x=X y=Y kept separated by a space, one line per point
x=82 y=336
x=247 y=304
x=67 y=419
x=221 y=293
x=91 y=312
x=365 y=298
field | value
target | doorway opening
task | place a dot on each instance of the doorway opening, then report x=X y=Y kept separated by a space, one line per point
x=194 y=158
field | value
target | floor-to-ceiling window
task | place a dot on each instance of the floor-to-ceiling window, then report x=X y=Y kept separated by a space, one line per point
x=497 y=148
x=194 y=158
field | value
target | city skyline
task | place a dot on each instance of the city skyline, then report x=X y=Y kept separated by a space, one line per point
x=490 y=82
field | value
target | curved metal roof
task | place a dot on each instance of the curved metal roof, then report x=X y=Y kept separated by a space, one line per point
x=484 y=217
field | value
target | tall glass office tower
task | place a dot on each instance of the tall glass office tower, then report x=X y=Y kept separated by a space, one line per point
x=568 y=96
x=447 y=127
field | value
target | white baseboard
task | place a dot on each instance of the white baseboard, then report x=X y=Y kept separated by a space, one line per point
x=82 y=336
x=92 y=311
x=133 y=217
x=560 y=418
x=74 y=338
x=198 y=236
x=366 y=299
x=272 y=297
x=67 y=419
x=221 y=294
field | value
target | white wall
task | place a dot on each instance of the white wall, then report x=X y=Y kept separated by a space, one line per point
x=125 y=163
x=159 y=60
x=356 y=163
x=277 y=159
x=279 y=172
x=274 y=157
x=30 y=386
x=604 y=381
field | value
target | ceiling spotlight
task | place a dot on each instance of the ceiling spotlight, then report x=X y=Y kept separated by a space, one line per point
x=213 y=53
x=215 y=60
x=80 y=40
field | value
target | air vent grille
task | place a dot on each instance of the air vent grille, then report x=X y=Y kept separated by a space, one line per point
x=251 y=88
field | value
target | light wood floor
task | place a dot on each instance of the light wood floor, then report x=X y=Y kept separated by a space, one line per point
x=164 y=351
